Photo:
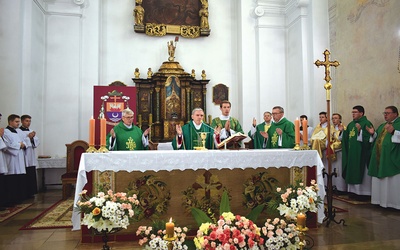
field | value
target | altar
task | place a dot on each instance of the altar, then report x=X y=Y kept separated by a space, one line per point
x=125 y=163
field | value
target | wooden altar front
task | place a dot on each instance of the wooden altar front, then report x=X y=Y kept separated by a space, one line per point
x=178 y=172
x=168 y=97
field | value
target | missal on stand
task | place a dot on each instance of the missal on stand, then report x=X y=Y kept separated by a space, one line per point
x=232 y=140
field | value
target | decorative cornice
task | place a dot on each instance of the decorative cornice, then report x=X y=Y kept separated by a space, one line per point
x=61 y=7
x=278 y=7
x=79 y=2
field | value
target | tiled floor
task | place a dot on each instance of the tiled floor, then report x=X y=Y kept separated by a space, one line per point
x=368 y=227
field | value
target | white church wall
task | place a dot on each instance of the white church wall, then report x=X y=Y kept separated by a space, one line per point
x=62 y=107
x=247 y=50
x=33 y=75
x=271 y=33
x=11 y=30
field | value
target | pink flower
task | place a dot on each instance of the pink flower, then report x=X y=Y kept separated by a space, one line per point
x=279 y=231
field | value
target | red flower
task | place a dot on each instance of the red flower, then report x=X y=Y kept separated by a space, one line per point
x=213 y=235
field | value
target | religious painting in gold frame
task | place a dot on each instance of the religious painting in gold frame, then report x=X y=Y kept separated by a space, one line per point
x=161 y=17
x=220 y=93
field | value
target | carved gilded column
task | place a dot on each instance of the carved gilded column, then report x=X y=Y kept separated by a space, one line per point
x=189 y=107
x=157 y=104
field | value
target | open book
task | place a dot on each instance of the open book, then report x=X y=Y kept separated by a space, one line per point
x=236 y=138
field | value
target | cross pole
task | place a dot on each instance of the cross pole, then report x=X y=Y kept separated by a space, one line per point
x=330 y=212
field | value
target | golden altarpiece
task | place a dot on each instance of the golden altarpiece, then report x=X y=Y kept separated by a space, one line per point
x=167 y=97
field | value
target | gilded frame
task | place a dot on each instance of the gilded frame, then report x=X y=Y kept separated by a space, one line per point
x=150 y=18
x=220 y=93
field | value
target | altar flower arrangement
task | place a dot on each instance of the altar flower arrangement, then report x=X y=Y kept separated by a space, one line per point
x=109 y=211
x=277 y=234
x=230 y=232
x=296 y=199
x=153 y=237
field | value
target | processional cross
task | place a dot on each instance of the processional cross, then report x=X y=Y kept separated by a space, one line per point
x=330 y=212
x=327 y=64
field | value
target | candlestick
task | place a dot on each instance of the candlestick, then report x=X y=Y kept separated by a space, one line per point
x=91 y=131
x=297 y=131
x=169 y=228
x=103 y=132
x=150 y=119
x=305 y=131
x=91 y=148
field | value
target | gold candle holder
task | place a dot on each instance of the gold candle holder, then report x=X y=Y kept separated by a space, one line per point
x=102 y=149
x=297 y=147
x=304 y=147
x=91 y=149
x=301 y=228
x=302 y=234
x=170 y=241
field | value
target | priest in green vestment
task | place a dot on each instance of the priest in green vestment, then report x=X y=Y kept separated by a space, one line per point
x=281 y=133
x=384 y=166
x=226 y=123
x=188 y=137
x=385 y=157
x=127 y=136
x=356 y=147
x=258 y=133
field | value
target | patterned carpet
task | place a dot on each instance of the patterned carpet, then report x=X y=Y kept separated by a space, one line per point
x=355 y=200
x=11 y=211
x=57 y=216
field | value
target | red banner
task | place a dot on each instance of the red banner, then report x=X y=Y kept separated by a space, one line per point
x=108 y=102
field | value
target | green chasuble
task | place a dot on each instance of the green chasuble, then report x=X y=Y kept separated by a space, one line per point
x=385 y=158
x=127 y=138
x=191 y=137
x=258 y=139
x=355 y=154
x=287 y=134
x=234 y=124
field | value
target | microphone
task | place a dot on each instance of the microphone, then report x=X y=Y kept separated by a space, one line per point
x=205 y=124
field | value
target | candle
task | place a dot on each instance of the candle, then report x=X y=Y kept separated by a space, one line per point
x=91 y=131
x=301 y=220
x=103 y=132
x=297 y=131
x=169 y=227
x=150 y=119
x=305 y=131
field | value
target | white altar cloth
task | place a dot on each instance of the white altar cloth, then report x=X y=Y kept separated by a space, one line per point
x=195 y=159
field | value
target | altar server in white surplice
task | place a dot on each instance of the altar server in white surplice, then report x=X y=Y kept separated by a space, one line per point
x=14 y=155
x=31 y=141
x=3 y=169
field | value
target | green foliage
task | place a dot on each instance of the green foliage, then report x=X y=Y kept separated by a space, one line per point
x=255 y=212
x=200 y=216
x=224 y=205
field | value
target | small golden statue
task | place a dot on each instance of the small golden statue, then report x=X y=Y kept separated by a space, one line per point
x=171 y=49
x=193 y=73
x=203 y=75
x=137 y=73
x=203 y=13
x=138 y=13
x=149 y=73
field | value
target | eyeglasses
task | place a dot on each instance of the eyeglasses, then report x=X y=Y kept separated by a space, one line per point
x=276 y=113
x=128 y=117
x=387 y=113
